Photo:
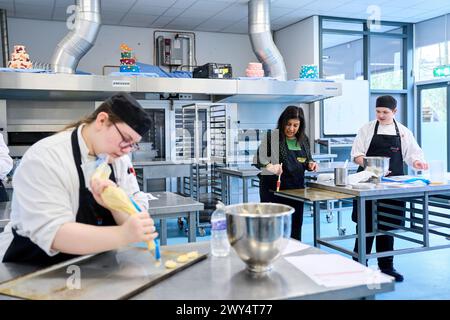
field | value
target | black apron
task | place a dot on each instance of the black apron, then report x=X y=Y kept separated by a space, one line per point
x=293 y=177
x=3 y=195
x=383 y=145
x=23 y=250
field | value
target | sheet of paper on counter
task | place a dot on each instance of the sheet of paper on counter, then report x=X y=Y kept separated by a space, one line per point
x=294 y=246
x=151 y=197
x=332 y=270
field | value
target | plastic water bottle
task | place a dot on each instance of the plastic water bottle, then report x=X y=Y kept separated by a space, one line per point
x=220 y=246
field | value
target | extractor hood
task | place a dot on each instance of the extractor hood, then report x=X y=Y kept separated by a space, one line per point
x=35 y=86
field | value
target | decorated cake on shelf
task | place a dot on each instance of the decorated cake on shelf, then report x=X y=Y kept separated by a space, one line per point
x=254 y=69
x=309 y=71
x=20 y=58
x=127 y=59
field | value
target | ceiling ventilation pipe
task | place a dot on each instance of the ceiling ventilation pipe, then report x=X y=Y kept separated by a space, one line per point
x=80 y=39
x=4 y=37
x=262 y=41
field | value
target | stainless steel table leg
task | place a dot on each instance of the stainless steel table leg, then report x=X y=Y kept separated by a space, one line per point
x=223 y=181
x=316 y=219
x=426 y=233
x=192 y=226
x=163 y=231
x=361 y=210
x=245 y=189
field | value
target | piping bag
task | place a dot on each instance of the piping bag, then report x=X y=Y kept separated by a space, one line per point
x=116 y=199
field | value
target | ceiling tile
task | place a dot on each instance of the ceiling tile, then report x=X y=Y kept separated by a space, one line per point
x=290 y=4
x=352 y=7
x=237 y=28
x=238 y=10
x=117 y=5
x=158 y=3
x=64 y=3
x=196 y=14
x=33 y=11
x=141 y=19
x=324 y=5
x=430 y=4
x=45 y=3
x=399 y=12
x=173 y=12
x=149 y=10
x=161 y=22
x=206 y=5
x=278 y=12
x=188 y=23
x=111 y=17
x=183 y=4
x=213 y=25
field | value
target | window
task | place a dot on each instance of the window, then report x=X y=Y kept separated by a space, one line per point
x=386 y=63
x=432 y=43
x=342 y=56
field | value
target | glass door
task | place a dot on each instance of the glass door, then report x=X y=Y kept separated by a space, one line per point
x=433 y=121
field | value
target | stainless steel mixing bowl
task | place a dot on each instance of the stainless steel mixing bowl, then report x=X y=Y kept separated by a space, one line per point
x=259 y=232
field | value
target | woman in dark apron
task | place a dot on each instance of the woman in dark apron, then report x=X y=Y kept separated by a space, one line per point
x=290 y=156
x=383 y=145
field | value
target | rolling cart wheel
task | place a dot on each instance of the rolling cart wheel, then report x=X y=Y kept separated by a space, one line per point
x=202 y=232
x=342 y=231
x=180 y=223
x=330 y=218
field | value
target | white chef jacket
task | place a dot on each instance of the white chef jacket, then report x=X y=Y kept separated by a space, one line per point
x=410 y=149
x=46 y=189
x=6 y=163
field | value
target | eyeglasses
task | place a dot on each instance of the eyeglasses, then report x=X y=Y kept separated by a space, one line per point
x=125 y=143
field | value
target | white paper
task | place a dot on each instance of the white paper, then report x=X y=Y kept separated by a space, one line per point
x=294 y=246
x=151 y=197
x=325 y=177
x=360 y=177
x=332 y=270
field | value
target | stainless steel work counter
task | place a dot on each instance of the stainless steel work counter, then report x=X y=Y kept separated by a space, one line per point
x=226 y=279
x=172 y=205
x=420 y=221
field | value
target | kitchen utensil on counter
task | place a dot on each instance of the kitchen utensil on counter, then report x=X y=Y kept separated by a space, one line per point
x=340 y=176
x=378 y=165
x=259 y=232
x=437 y=172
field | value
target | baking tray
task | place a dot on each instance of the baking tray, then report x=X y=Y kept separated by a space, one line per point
x=113 y=275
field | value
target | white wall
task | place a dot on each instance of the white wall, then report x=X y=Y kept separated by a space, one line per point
x=299 y=44
x=41 y=38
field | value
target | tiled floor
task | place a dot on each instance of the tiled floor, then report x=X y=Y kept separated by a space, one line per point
x=427 y=274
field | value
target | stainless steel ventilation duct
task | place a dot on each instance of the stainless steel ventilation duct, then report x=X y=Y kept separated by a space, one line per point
x=80 y=39
x=262 y=41
x=4 y=37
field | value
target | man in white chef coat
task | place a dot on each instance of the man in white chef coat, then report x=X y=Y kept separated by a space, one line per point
x=385 y=137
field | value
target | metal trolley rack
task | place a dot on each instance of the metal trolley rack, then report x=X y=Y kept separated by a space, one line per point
x=204 y=142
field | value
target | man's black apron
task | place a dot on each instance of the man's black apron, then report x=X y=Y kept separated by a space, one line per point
x=293 y=177
x=383 y=145
x=23 y=250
